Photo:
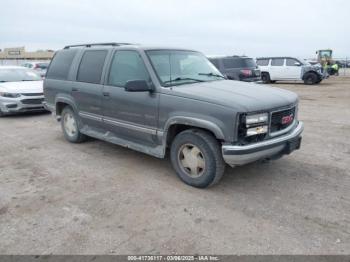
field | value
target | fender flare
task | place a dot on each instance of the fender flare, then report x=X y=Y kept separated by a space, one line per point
x=195 y=122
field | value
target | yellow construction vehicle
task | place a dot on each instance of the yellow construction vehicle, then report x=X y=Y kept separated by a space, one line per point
x=324 y=56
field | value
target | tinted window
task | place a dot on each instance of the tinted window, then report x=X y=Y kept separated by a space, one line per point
x=232 y=63
x=60 y=65
x=127 y=66
x=291 y=62
x=238 y=62
x=215 y=62
x=277 y=62
x=91 y=66
x=263 y=62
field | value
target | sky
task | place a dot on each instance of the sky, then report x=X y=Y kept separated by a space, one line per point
x=223 y=27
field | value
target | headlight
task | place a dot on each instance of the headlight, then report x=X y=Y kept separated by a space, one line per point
x=256 y=124
x=9 y=95
x=256 y=119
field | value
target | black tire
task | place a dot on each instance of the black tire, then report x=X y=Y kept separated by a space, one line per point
x=210 y=152
x=73 y=137
x=1 y=113
x=265 y=77
x=310 y=79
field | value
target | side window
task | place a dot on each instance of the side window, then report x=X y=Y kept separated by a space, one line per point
x=60 y=65
x=127 y=66
x=262 y=62
x=277 y=62
x=291 y=62
x=215 y=62
x=91 y=66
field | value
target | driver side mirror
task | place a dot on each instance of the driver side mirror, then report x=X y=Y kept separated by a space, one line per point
x=297 y=64
x=137 y=86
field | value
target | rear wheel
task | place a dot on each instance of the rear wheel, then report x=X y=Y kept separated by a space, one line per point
x=310 y=79
x=265 y=77
x=196 y=157
x=69 y=124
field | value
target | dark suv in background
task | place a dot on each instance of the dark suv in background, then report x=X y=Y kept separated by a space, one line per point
x=240 y=68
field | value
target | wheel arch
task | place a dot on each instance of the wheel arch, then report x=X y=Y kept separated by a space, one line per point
x=176 y=125
x=61 y=102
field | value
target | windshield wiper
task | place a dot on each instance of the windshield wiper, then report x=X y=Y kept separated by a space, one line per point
x=211 y=74
x=183 y=78
x=28 y=80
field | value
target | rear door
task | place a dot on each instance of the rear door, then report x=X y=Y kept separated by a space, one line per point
x=277 y=69
x=87 y=89
x=132 y=116
x=293 y=68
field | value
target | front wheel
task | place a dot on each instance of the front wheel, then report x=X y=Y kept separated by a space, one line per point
x=69 y=124
x=265 y=77
x=197 y=159
x=310 y=79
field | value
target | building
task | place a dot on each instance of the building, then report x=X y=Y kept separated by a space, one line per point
x=19 y=53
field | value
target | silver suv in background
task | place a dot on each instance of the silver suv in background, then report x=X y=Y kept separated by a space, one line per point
x=288 y=69
x=160 y=100
x=21 y=90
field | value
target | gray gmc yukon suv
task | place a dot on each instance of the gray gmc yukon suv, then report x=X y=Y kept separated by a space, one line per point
x=162 y=100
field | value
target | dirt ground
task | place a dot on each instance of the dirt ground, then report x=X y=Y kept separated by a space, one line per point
x=99 y=198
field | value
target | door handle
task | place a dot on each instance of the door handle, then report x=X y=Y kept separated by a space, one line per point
x=105 y=93
x=74 y=89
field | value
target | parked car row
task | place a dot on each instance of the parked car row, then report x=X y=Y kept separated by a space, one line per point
x=40 y=67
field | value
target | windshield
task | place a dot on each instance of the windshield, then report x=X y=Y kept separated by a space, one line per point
x=175 y=67
x=18 y=74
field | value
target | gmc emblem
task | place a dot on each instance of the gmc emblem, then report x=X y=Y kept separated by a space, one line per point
x=287 y=119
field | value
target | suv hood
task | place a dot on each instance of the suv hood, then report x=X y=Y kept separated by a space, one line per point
x=242 y=96
x=22 y=87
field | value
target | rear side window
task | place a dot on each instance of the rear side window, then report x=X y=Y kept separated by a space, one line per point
x=60 y=65
x=263 y=62
x=91 y=66
x=127 y=66
x=277 y=62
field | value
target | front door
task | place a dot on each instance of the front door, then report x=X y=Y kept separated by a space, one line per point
x=129 y=115
x=293 y=67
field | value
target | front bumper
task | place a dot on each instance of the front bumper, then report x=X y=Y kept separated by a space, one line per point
x=21 y=104
x=236 y=155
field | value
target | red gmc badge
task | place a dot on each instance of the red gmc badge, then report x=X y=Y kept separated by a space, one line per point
x=287 y=119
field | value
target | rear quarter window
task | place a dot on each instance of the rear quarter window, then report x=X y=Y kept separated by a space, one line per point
x=60 y=65
x=91 y=66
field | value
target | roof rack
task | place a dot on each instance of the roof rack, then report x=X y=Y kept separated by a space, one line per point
x=97 y=44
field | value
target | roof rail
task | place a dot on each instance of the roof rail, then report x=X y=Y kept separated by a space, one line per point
x=97 y=44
